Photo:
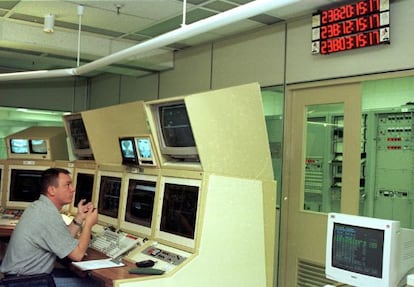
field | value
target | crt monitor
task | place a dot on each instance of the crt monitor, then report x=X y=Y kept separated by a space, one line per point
x=24 y=185
x=128 y=151
x=363 y=251
x=109 y=197
x=177 y=222
x=19 y=146
x=84 y=184
x=145 y=150
x=174 y=131
x=78 y=136
x=139 y=206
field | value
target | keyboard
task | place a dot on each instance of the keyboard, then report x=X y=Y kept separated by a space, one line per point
x=10 y=217
x=112 y=243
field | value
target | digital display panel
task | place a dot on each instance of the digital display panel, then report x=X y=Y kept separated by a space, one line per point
x=361 y=24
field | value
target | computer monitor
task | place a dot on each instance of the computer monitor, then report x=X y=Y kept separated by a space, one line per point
x=138 y=210
x=23 y=185
x=174 y=131
x=128 y=151
x=76 y=131
x=177 y=217
x=109 y=186
x=145 y=150
x=84 y=180
x=363 y=251
x=19 y=146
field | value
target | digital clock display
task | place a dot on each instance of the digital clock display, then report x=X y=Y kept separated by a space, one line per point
x=361 y=24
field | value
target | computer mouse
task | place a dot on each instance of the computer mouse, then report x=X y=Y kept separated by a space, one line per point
x=145 y=263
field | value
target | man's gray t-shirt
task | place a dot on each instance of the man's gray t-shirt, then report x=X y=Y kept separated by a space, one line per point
x=38 y=238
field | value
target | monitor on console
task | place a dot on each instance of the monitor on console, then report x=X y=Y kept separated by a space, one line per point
x=109 y=193
x=23 y=185
x=138 y=209
x=84 y=185
x=19 y=146
x=76 y=131
x=178 y=215
x=128 y=151
x=174 y=131
x=38 y=146
x=363 y=251
x=145 y=150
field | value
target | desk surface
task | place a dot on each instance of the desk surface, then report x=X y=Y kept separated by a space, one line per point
x=108 y=275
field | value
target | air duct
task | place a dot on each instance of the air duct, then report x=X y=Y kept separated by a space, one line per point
x=186 y=31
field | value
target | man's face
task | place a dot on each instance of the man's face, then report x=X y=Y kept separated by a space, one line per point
x=64 y=190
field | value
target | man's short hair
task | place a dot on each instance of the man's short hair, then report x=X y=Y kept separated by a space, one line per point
x=50 y=178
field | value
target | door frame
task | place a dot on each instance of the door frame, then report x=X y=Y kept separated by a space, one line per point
x=297 y=224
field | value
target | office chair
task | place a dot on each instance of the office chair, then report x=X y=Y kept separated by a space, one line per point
x=38 y=280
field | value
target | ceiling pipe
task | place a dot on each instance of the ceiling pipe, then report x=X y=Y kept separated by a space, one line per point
x=186 y=31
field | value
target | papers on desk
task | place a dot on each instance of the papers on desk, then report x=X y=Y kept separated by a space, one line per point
x=97 y=264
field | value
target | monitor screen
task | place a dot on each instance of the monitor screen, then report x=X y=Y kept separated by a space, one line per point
x=78 y=134
x=179 y=209
x=358 y=249
x=175 y=125
x=19 y=146
x=84 y=187
x=24 y=185
x=128 y=151
x=145 y=150
x=38 y=146
x=140 y=202
x=174 y=132
x=109 y=195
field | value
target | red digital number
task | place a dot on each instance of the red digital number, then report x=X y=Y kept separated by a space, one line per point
x=323 y=32
x=348 y=27
x=361 y=40
x=323 y=48
x=374 y=37
x=362 y=24
x=349 y=43
x=374 y=5
x=374 y=21
x=361 y=8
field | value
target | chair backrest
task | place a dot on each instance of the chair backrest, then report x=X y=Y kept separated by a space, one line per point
x=39 y=280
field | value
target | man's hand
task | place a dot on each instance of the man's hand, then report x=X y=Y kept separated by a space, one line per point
x=83 y=209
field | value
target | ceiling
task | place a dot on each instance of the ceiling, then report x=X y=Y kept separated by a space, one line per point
x=106 y=27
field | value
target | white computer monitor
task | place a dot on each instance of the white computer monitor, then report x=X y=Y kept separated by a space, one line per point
x=364 y=251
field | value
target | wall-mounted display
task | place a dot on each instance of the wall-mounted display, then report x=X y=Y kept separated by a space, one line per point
x=361 y=24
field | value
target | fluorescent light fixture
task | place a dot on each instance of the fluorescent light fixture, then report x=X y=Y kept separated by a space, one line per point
x=49 y=23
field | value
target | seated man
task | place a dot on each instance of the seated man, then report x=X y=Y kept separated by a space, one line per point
x=41 y=234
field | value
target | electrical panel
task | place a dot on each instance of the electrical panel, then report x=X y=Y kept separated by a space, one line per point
x=394 y=167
